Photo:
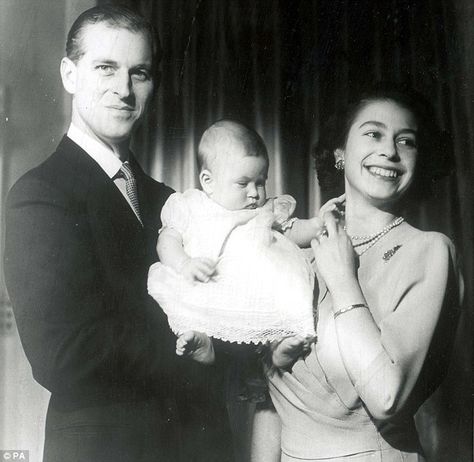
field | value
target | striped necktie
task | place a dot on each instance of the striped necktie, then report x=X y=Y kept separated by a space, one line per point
x=131 y=187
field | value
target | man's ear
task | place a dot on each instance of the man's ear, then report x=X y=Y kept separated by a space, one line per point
x=205 y=178
x=339 y=154
x=68 y=75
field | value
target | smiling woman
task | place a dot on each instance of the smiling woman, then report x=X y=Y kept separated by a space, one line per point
x=388 y=300
x=415 y=132
x=380 y=152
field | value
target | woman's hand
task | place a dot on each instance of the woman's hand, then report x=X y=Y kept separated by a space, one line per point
x=335 y=205
x=334 y=255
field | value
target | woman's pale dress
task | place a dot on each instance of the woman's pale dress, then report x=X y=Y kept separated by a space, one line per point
x=410 y=281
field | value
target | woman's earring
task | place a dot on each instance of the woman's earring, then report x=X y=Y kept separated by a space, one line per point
x=340 y=164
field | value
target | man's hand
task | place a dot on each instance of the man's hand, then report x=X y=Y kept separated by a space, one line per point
x=196 y=346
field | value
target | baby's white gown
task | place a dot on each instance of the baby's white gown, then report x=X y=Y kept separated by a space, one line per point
x=263 y=286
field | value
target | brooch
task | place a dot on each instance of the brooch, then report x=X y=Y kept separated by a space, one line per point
x=390 y=253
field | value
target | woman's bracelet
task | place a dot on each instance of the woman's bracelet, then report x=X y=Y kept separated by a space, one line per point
x=349 y=308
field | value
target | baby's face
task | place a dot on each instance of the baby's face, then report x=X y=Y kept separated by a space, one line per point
x=238 y=182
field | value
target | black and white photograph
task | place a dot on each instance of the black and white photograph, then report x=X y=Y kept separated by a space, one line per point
x=236 y=230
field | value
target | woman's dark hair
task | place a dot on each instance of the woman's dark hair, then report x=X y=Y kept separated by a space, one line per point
x=434 y=146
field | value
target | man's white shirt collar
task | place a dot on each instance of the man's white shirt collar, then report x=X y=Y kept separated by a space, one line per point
x=103 y=155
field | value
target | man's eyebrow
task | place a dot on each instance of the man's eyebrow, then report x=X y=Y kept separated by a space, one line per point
x=109 y=62
x=146 y=66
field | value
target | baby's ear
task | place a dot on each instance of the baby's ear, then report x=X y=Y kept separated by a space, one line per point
x=205 y=178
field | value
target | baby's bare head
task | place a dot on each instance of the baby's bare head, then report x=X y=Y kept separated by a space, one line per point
x=227 y=138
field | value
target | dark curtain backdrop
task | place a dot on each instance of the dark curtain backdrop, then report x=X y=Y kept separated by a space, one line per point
x=283 y=67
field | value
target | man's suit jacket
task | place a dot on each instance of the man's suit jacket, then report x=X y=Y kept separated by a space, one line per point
x=76 y=262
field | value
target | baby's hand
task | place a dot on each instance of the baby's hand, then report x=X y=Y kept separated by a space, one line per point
x=196 y=346
x=198 y=269
x=287 y=351
x=283 y=208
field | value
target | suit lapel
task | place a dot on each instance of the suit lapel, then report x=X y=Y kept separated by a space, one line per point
x=118 y=235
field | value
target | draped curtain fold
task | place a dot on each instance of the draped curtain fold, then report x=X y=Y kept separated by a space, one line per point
x=283 y=67
x=229 y=59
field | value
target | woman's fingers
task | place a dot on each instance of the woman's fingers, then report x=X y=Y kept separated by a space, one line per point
x=333 y=205
x=331 y=224
x=335 y=202
x=331 y=212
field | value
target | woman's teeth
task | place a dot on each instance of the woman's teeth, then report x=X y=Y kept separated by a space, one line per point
x=383 y=172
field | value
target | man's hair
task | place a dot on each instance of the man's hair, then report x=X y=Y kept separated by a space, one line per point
x=223 y=136
x=118 y=17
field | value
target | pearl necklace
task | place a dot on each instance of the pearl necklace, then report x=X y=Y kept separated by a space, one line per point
x=372 y=239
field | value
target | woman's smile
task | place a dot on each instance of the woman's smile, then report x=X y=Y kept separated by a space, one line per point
x=384 y=173
x=390 y=174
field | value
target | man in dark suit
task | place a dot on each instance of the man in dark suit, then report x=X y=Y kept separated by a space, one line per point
x=81 y=235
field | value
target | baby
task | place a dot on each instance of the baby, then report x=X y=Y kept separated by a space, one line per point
x=230 y=263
